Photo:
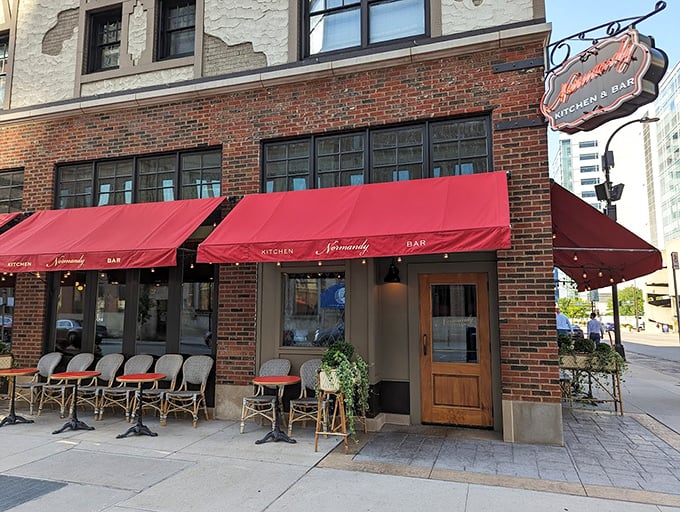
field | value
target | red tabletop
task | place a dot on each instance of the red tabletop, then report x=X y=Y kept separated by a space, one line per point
x=9 y=372
x=74 y=375
x=141 y=377
x=276 y=380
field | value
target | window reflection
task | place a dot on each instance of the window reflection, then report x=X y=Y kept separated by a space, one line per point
x=313 y=309
x=110 y=309
x=69 y=324
x=152 y=311
x=454 y=323
x=197 y=332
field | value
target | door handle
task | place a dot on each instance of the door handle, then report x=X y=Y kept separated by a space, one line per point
x=424 y=344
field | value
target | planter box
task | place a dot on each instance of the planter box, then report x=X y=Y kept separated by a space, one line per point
x=328 y=381
x=5 y=361
x=585 y=362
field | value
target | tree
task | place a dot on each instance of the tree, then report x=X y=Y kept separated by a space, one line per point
x=629 y=298
x=574 y=307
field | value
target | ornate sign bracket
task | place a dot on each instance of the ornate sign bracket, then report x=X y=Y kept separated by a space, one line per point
x=562 y=48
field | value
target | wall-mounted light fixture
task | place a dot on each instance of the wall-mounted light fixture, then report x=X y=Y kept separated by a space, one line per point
x=392 y=275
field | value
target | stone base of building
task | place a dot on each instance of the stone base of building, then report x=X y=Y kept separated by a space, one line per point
x=229 y=400
x=532 y=423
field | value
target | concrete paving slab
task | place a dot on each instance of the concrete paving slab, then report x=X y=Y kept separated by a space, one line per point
x=213 y=485
x=335 y=490
x=113 y=471
x=74 y=497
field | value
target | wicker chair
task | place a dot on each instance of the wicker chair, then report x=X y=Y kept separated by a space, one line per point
x=305 y=407
x=6 y=361
x=59 y=392
x=31 y=391
x=260 y=405
x=169 y=365
x=195 y=372
x=121 y=395
x=90 y=393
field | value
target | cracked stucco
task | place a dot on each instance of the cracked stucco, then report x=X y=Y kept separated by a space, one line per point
x=124 y=83
x=37 y=77
x=463 y=15
x=264 y=23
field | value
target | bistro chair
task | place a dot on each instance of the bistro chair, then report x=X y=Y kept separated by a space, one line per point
x=170 y=366
x=191 y=394
x=304 y=407
x=6 y=361
x=260 y=405
x=107 y=367
x=122 y=395
x=31 y=391
x=59 y=392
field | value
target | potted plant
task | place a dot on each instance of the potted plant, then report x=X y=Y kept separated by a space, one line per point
x=583 y=354
x=345 y=372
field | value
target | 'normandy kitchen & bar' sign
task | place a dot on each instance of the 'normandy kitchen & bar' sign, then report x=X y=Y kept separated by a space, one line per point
x=608 y=80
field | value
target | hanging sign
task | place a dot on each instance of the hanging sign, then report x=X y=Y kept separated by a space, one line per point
x=611 y=79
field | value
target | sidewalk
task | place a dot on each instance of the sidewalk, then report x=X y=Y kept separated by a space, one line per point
x=609 y=462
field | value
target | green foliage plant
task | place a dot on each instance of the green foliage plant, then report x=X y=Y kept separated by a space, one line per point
x=351 y=372
x=600 y=357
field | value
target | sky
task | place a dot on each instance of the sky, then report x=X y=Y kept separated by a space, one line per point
x=571 y=16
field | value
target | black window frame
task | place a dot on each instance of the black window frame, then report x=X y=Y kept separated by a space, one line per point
x=4 y=52
x=98 y=21
x=87 y=180
x=164 y=36
x=364 y=8
x=11 y=181
x=429 y=161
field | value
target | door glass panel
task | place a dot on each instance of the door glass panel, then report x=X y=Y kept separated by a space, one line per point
x=197 y=333
x=110 y=310
x=152 y=312
x=69 y=325
x=454 y=323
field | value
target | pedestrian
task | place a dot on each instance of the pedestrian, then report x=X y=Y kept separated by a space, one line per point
x=595 y=329
x=563 y=324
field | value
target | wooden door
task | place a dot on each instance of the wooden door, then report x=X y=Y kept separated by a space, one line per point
x=455 y=358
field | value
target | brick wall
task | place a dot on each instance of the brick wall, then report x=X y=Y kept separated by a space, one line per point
x=239 y=121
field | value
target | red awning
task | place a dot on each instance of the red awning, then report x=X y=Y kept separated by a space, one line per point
x=6 y=218
x=604 y=249
x=106 y=237
x=427 y=216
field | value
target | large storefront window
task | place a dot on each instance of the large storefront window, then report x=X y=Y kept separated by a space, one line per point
x=110 y=309
x=152 y=311
x=69 y=329
x=196 y=324
x=313 y=309
x=428 y=150
x=6 y=314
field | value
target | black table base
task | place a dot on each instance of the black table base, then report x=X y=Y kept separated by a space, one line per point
x=12 y=418
x=74 y=423
x=139 y=428
x=276 y=434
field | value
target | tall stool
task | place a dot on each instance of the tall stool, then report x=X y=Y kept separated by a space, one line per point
x=337 y=426
x=322 y=425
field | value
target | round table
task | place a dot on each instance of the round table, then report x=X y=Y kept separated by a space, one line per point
x=12 y=373
x=139 y=378
x=280 y=381
x=74 y=423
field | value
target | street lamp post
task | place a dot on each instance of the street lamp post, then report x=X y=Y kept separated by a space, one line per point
x=614 y=194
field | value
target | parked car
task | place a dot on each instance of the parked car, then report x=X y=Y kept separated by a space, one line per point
x=70 y=332
x=577 y=331
x=324 y=337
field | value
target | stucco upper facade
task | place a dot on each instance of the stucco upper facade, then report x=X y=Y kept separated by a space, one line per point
x=49 y=42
